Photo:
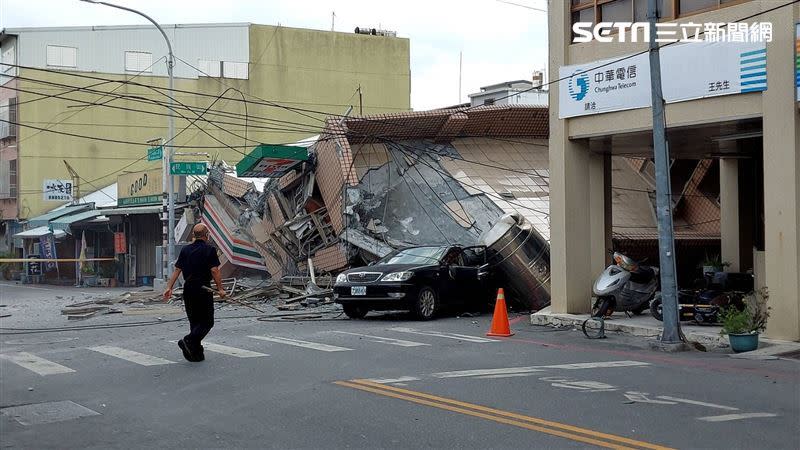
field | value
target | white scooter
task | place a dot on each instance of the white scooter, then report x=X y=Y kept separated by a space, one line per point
x=624 y=286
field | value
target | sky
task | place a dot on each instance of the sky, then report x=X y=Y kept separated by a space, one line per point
x=499 y=41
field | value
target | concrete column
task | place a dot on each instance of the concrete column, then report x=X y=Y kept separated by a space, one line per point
x=578 y=194
x=782 y=179
x=729 y=212
x=599 y=212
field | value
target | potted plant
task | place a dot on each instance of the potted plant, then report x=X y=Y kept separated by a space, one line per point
x=108 y=273
x=9 y=271
x=714 y=264
x=743 y=326
x=88 y=275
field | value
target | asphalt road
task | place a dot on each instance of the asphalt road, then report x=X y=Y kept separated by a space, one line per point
x=383 y=382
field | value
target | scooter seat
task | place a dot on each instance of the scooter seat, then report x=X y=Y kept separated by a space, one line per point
x=643 y=274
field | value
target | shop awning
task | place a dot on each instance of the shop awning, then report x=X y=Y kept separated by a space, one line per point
x=152 y=209
x=38 y=232
x=45 y=219
x=66 y=222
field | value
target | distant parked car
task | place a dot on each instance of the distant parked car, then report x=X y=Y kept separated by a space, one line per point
x=423 y=280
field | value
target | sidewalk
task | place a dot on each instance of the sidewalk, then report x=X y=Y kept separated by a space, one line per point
x=649 y=328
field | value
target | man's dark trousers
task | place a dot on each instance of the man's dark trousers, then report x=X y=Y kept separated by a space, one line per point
x=199 y=305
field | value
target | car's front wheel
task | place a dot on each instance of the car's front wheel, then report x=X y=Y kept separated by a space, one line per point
x=427 y=305
x=355 y=311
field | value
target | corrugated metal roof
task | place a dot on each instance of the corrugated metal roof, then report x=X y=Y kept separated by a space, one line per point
x=64 y=223
x=46 y=218
x=39 y=232
x=152 y=209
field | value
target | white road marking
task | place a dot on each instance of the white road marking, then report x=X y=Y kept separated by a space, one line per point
x=597 y=365
x=570 y=383
x=304 y=344
x=392 y=380
x=641 y=397
x=508 y=375
x=130 y=355
x=231 y=351
x=35 y=364
x=385 y=340
x=491 y=372
x=531 y=369
x=460 y=337
x=740 y=416
x=695 y=402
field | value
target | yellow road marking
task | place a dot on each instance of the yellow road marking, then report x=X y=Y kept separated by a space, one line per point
x=516 y=416
x=486 y=416
x=506 y=417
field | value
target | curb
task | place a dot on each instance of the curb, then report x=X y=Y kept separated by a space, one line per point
x=561 y=320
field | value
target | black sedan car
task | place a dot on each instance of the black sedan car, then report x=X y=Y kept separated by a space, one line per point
x=421 y=279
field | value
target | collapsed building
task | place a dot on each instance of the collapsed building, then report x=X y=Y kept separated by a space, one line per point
x=368 y=185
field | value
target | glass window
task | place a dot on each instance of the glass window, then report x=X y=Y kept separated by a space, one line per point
x=584 y=15
x=640 y=10
x=138 y=62
x=234 y=70
x=692 y=6
x=12 y=172
x=616 y=11
x=419 y=255
x=60 y=56
x=209 y=68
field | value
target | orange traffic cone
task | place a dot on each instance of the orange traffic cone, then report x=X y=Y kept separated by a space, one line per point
x=500 y=326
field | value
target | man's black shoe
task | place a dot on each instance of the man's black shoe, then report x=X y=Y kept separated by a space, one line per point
x=186 y=352
x=200 y=354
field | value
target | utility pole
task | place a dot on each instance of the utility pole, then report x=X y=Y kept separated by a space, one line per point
x=666 y=238
x=168 y=151
x=333 y=19
x=76 y=183
x=360 y=103
x=460 y=61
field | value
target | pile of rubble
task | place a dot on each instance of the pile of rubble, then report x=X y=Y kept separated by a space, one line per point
x=288 y=294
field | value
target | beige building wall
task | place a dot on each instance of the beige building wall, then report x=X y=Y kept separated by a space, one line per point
x=315 y=71
x=574 y=171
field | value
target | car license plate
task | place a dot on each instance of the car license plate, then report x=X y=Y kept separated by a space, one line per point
x=358 y=290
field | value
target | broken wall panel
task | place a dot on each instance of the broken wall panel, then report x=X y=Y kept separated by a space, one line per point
x=329 y=175
x=412 y=200
x=235 y=187
x=330 y=259
x=223 y=230
x=514 y=175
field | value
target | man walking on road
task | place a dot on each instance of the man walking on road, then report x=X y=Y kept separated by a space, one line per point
x=199 y=263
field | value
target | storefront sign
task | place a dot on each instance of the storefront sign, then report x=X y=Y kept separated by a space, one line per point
x=120 y=244
x=57 y=190
x=688 y=71
x=34 y=268
x=140 y=188
x=612 y=86
x=271 y=161
x=47 y=247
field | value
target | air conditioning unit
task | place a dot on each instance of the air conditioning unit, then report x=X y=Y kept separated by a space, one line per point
x=538 y=79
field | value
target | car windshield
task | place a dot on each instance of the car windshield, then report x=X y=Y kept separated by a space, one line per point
x=418 y=255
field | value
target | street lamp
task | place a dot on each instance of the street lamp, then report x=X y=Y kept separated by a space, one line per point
x=167 y=158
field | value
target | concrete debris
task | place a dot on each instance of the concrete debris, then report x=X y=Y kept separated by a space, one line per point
x=291 y=293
